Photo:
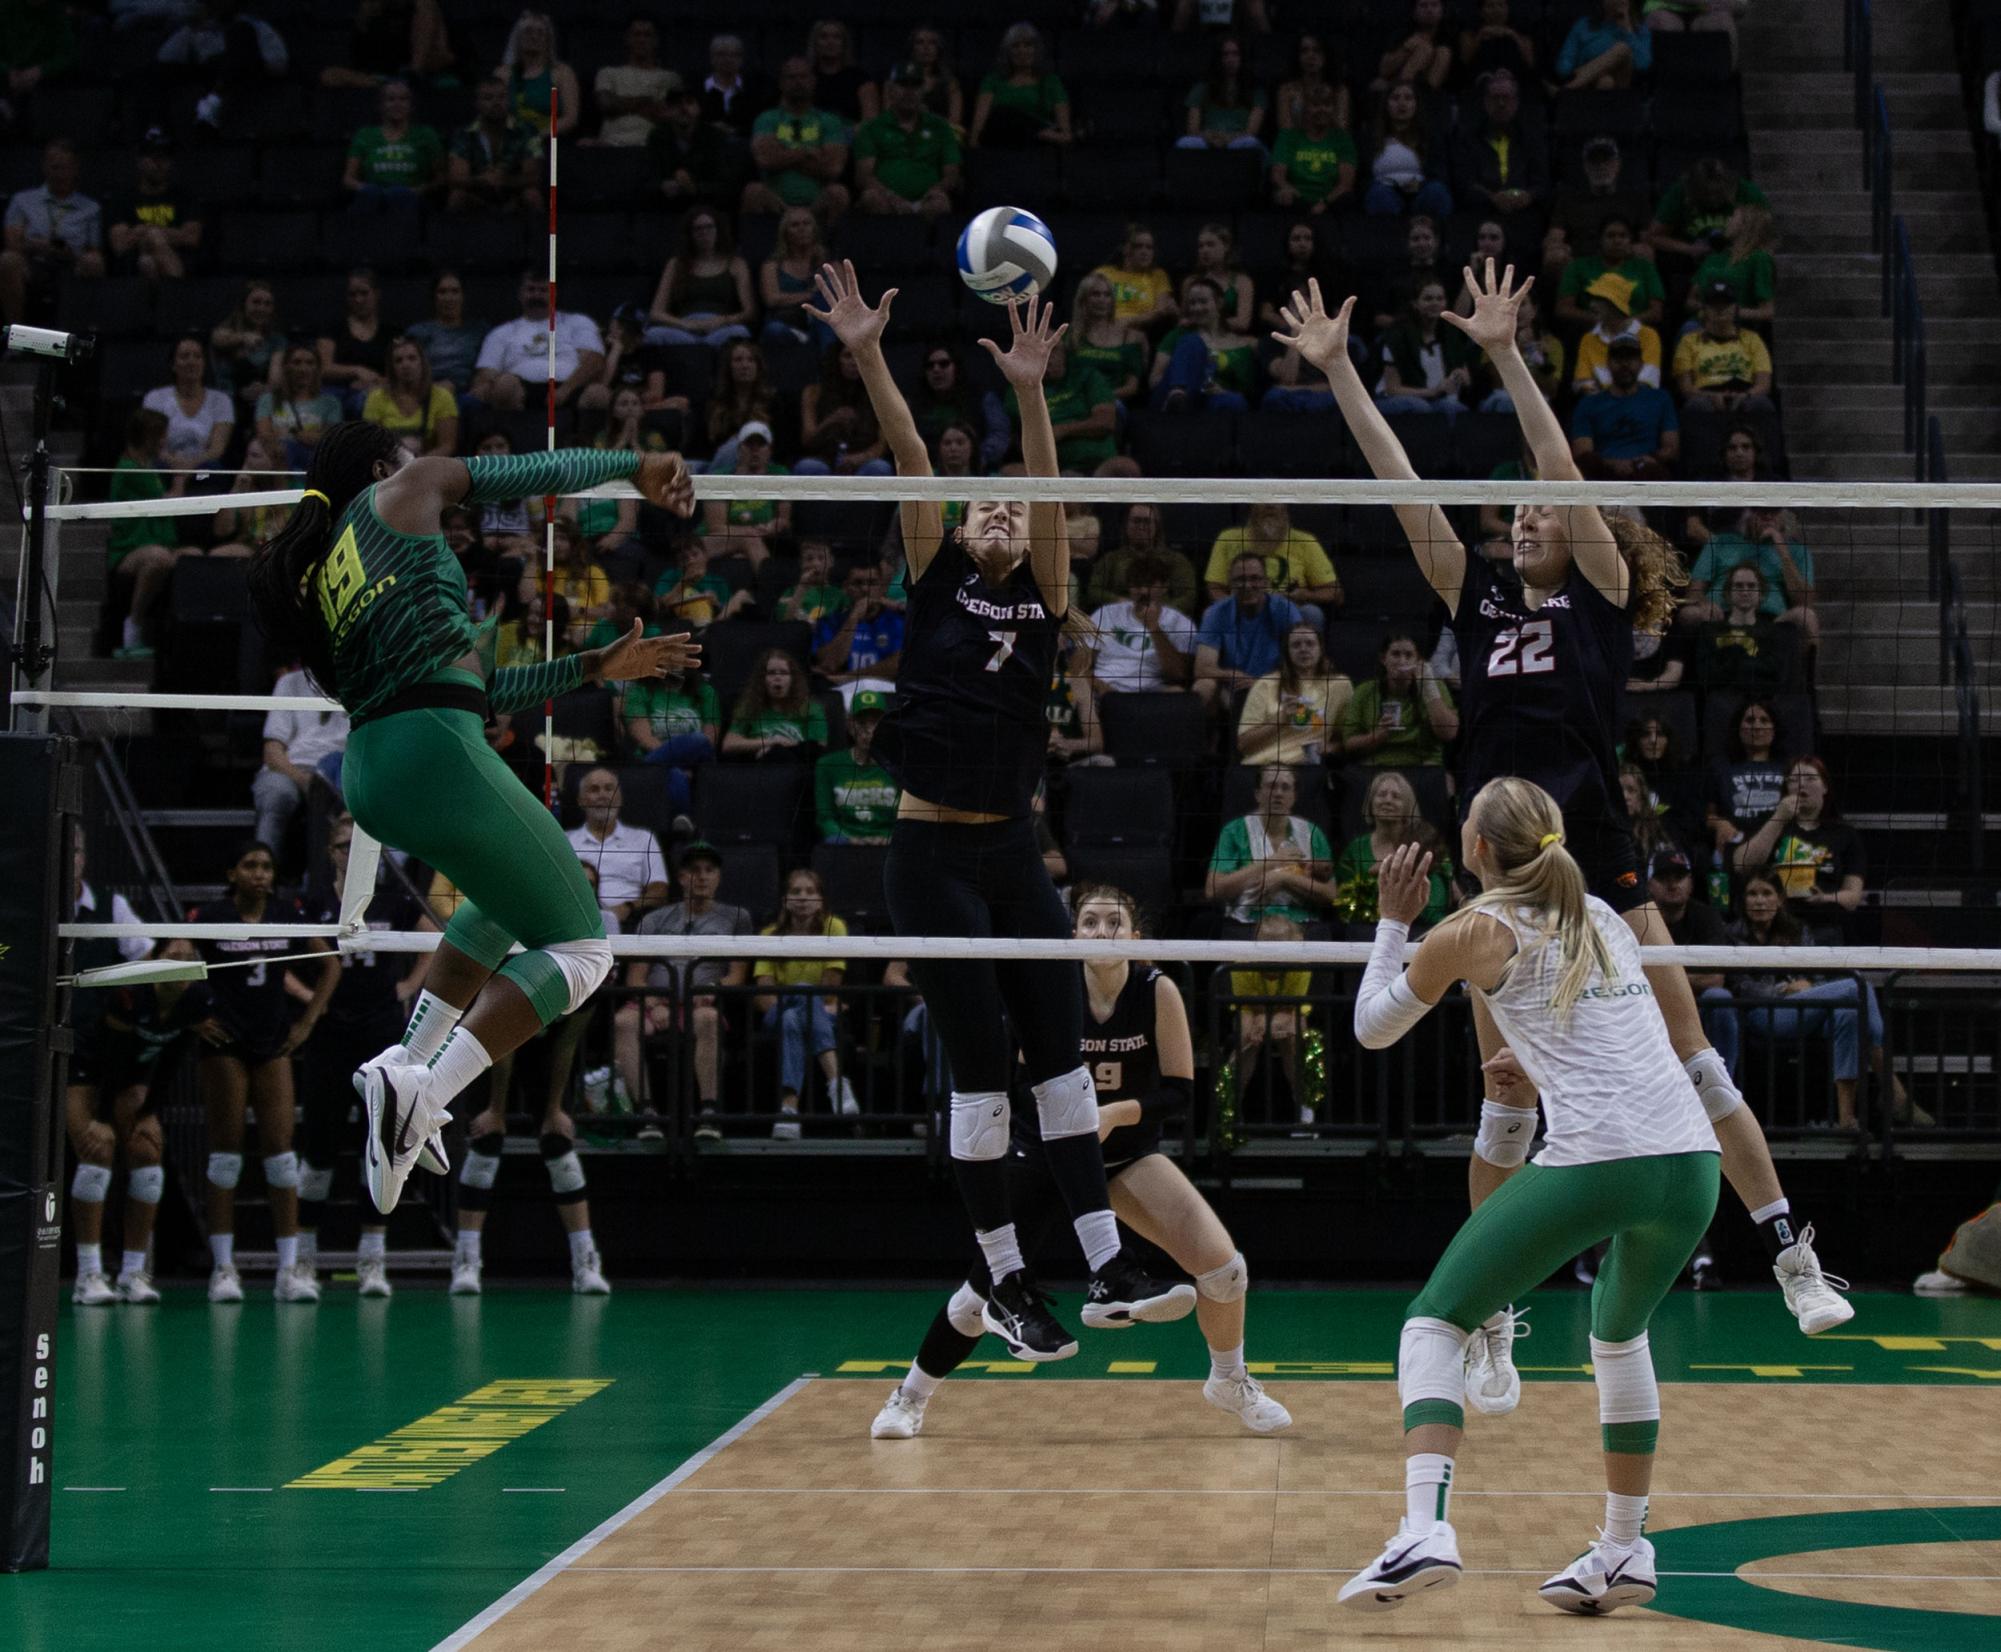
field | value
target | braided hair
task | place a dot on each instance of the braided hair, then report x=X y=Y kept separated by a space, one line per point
x=284 y=568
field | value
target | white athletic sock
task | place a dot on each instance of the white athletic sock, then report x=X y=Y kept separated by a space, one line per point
x=222 y=1246
x=461 y=1061
x=1764 y=1213
x=89 y=1259
x=1098 y=1233
x=431 y=1023
x=134 y=1262
x=288 y=1252
x=309 y=1246
x=374 y=1245
x=1002 y=1250
x=1625 y=1518
x=467 y=1247
x=580 y=1245
x=1427 y=1490
x=1226 y=1362
x=920 y=1384
x=129 y=635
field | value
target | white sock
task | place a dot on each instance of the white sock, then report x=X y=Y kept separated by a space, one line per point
x=1427 y=1490
x=135 y=1262
x=461 y=1061
x=580 y=1245
x=920 y=1384
x=374 y=1245
x=288 y=1252
x=128 y=633
x=1002 y=1250
x=1227 y=1362
x=431 y=1023
x=1098 y=1233
x=1625 y=1517
x=467 y=1247
x=222 y=1246
x=89 y=1259
x=309 y=1246
x=1764 y=1213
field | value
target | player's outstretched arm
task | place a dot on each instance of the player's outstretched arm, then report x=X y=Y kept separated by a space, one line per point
x=1033 y=335
x=1323 y=340
x=411 y=500
x=1470 y=946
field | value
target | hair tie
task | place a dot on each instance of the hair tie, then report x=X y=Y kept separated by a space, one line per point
x=1548 y=838
x=314 y=493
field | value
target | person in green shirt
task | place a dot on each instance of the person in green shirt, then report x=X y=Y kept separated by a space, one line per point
x=1391 y=814
x=1401 y=717
x=1081 y=407
x=854 y=798
x=776 y=717
x=1313 y=166
x=816 y=595
x=1769 y=540
x=1617 y=255
x=800 y=151
x=1203 y=365
x=397 y=158
x=1697 y=207
x=693 y=595
x=1021 y=104
x=674 y=721
x=142 y=549
x=1272 y=863
x=1746 y=264
x=906 y=159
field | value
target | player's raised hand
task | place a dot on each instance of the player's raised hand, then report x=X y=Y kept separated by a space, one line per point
x=1026 y=358
x=663 y=480
x=636 y=655
x=1497 y=303
x=1321 y=338
x=1403 y=884
x=846 y=312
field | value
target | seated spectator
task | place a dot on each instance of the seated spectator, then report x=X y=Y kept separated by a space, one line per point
x=37 y=48
x=625 y=861
x=398 y=159
x=1745 y=784
x=815 y=596
x=1387 y=289
x=1302 y=261
x=227 y=53
x=741 y=395
x=1401 y=717
x=675 y=723
x=537 y=78
x=1242 y=638
x=1296 y=563
x=503 y=523
x=1629 y=430
x=907 y=159
x=792 y=1004
x=496 y=162
x=1313 y=163
x=693 y=160
x=1278 y=1027
x=449 y=341
x=239 y=531
x=1616 y=255
x=422 y=414
x=749 y=527
x=1816 y=856
x=201 y=420
x=1660 y=661
x=248 y=346
x=1499 y=164
x=1391 y=814
x=1428 y=366
x=1702 y=16
x=1604 y=55
x=1744 y=264
x=515 y=355
x=1292 y=714
x=1247 y=16
x=1721 y=368
x=630 y=363
x=1021 y=103
x=1226 y=108
x=1740 y=458
x=839 y=82
x=1424 y=56
x=156 y=230
x=1076 y=732
x=1495 y=44
x=1744 y=650
x=293 y=417
x=938 y=89
x=800 y=151
x=1140 y=644
x=1677 y=788
x=1691 y=922
x=1311 y=72
x=633 y=96
x=777 y=719
x=838 y=433
x=393 y=37
x=580 y=582
x=942 y=398
x=785 y=280
x=703 y=295
x=1543 y=352
x=1692 y=218
x=1579 y=210
x=1142 y=293
x=863 y=641
x=142 y=550
x=854 y=797
x=688 y=594
x=1768 y=540
x=1204 y=364
x=1143 y=533
x=354 y=351
x=1082 y=408
x=523 y=640
x=53 y=232
x=1272 y=863
x=1613 y=321
x=1216 y=261
x=303 y=751
x=1404 y=176
x=1643 y=813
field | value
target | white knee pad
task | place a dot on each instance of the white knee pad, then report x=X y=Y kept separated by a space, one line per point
x=1431 y=1362
x=1711 y=1077
x=282 y=1170
x=964 y=1311
x=979 y=1124
x=1506 y=1134
x=1627 y=1391
x=584 y=964
x=566 y=1170
x=1067 y=1105
x=481 y=1165
x=1227 y=1283
x=315 y=1183
x=91 y=1183
x=225 y=1170
x=145 y=1185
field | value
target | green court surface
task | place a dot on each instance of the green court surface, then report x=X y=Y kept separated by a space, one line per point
x=236 y=1476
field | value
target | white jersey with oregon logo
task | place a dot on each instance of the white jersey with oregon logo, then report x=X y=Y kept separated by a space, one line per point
x=1612 y=1087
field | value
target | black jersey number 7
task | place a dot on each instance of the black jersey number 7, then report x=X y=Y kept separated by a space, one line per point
x=1523 y=650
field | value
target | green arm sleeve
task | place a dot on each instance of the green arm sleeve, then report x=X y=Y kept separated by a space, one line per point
x=499 y=477
x=516 y=687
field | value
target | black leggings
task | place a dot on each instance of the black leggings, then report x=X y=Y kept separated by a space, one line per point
x=978 y=881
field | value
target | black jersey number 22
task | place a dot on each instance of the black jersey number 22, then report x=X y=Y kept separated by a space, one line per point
x=1523 y=650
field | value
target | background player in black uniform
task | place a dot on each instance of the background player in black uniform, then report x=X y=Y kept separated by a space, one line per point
x=367 y=1012
x=248 y=1038
x=1136 y=1040
x=966 y=741
x=1543 y=658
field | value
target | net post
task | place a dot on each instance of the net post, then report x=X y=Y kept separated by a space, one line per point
x=549 y=499
x=31 y=659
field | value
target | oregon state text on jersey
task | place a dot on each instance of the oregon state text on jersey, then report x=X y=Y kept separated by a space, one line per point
x=1123 y=1055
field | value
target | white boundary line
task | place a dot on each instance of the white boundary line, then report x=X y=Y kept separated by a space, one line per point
x=467 y=1632
x=1032 y=1570
x=1981 y=1499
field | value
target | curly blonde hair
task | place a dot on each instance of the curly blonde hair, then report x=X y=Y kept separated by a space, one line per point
x=1659 y=574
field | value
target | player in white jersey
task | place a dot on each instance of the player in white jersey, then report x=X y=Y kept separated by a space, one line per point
x=1630 y=1158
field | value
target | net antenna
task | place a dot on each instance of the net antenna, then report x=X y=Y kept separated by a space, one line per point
x=549 y=500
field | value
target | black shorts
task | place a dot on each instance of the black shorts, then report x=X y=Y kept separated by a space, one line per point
x=1602 y=845
x=108 y=1076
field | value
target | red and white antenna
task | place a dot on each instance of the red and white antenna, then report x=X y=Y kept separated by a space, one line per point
x=549 y=500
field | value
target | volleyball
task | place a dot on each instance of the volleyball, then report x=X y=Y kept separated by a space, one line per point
x=1007 y=253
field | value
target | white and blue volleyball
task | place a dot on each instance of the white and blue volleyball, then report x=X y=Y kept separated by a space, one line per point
x=1007 y=253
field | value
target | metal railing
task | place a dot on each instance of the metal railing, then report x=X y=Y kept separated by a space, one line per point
x=1908 y=357
x=1858 y=53
x=1956 y=659
x=1878 y=152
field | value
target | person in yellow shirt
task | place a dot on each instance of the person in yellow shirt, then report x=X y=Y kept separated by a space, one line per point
x=580 y=582
x=1288 y=713
x=1276 y=1027
x=1142 y=292
x=1296 y=563
x=800 y=1015
x=1611 y=299
x=1721 y=368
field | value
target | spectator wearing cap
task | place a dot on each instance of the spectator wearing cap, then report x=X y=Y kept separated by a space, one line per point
x=626 y=862
x=1604 y=55
x=906 y=159
x=1721 y=368
x=1580 y=208
x=53 y=231
x=704 y=294
x=632 y=96
x=863 y=642
x=1628 y=429
x=694 y=163
x=1693 y=216
x=854 y=798
x=1671 y=883
x=749 y=527
x=515 y=354
x=800 y=151
x=156 y=229
x=496 y=162
x=397 y=161
x=1618 y=254
x=1499 y=163
x=1612 y=319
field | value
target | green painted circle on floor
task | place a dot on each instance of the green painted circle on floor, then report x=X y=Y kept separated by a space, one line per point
x=1717 y=1595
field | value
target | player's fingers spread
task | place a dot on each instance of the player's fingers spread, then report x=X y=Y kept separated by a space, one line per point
x=1347 y=309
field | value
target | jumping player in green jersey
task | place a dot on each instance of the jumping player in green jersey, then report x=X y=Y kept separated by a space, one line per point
x=361 y=585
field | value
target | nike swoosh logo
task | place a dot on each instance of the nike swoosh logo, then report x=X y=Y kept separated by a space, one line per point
x=402 y=1144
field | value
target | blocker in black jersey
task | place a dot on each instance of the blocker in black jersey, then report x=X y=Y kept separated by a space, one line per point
x=365 y=1001
x=967 y=731
x=251 y=1002
x=1123 y=1054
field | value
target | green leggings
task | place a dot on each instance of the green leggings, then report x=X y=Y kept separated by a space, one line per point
x=426 y=782
x=1654 y=1211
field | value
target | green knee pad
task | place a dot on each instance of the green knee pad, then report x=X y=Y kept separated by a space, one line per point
x=481 y=939
x=537 y=975
x=1420 y=1412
